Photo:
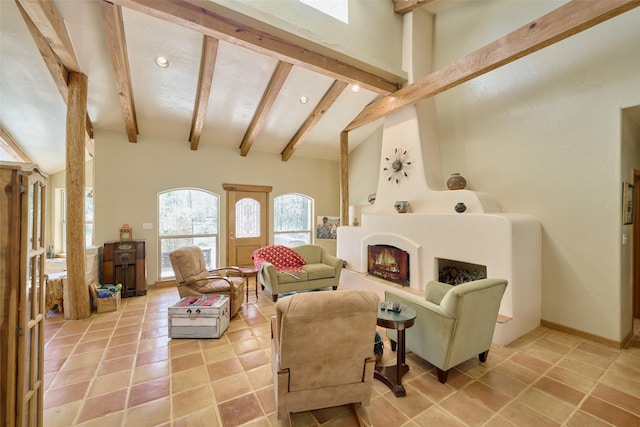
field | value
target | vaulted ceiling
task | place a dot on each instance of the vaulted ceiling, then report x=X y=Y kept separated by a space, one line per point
x=231 y=81
x=228 y=83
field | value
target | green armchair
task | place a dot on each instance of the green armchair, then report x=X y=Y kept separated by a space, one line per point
x=453 y=323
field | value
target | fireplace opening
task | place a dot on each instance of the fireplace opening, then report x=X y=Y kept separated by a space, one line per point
x=456 y=272
x=388 y=263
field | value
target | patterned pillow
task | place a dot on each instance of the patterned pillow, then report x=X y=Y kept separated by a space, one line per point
x=282 y=258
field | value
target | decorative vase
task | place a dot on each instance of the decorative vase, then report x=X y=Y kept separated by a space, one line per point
x=460 y=207
x=456 y=182
x=401 y=206
x=372 y=198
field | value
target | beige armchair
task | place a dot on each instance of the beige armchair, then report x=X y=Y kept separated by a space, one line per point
x=453 y=323
x=193 y=278
x=322 y=350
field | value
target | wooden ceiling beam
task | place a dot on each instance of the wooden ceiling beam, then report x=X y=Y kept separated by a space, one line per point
x=12 y=147
x=404 y=6
x=559 y=24
x=53 y=60
x=205 y=81
x=217 y=21
x=114 y=32
x=45 y=16
x=318 y=112
x=269 y=96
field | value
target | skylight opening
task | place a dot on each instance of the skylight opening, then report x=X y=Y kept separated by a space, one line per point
x=338 y=9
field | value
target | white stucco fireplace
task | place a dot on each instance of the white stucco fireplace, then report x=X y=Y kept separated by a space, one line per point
x=508 y=245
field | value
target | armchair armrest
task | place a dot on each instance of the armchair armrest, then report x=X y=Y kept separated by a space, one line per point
x=223 y=278
x=414 y=301
x=268 y=276
x=227 y=271
x=331 y=260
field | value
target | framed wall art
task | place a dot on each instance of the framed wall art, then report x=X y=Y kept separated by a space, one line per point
x=327 y=227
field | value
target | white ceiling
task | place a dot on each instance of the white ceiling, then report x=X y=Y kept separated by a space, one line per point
x=32 y=110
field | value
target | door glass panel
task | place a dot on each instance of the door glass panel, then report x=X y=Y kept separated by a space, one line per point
x=31 y=216
x=247 y=218
x=27 y=359
x=38 y=214
x=37 y=285
x=29 y=293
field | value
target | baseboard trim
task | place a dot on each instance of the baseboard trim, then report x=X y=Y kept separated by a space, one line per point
x=165 y=283
x=583 y=334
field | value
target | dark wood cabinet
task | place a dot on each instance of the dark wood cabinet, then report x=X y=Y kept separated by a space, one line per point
x=125 y=262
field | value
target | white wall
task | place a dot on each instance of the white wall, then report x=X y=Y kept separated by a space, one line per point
x=129 y=176
x=543 y=135
x=372 y=36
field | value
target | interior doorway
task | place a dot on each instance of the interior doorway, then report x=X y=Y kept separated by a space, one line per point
x=636 y=246
x=247 y=221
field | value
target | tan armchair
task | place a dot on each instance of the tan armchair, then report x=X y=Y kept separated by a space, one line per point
x=193 y=278
x=322 y=350
x=453 y=323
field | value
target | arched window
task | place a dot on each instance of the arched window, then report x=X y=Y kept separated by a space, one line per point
x=292 y=219
x=187 y=217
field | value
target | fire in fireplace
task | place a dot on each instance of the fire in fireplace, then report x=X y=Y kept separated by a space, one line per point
x=389 y=263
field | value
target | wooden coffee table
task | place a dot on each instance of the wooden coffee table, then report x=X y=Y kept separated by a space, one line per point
x=246 y=273
x=392 y=375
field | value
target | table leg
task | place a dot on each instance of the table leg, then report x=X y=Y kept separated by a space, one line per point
x=392 y=375
x=256 y=280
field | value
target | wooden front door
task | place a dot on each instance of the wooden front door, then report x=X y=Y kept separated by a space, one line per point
x=247 y=222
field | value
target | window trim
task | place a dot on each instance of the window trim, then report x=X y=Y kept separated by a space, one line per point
x=160 y=238
x=311 y=229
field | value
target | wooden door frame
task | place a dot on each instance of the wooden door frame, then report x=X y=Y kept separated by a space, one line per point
x=246 y=188
x=635 y=255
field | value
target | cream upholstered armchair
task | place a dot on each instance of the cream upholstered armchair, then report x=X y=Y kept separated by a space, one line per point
x=453 y=323
x=193 y=278
x=322 y=350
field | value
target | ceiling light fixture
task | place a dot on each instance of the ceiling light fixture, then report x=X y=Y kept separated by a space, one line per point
x=162 y=62
x=355 y=88
x=303 y=100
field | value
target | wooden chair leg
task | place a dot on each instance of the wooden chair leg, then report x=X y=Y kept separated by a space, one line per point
x=442 y=375
x=335 y=287
x=274 y=297
x=483 y=356
x=393 y=345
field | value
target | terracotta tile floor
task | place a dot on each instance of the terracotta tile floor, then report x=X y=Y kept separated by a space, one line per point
x=120 y=369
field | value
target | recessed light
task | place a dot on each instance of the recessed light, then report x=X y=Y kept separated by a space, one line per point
x=303 y=100
x=355 y=88
x=162 y=61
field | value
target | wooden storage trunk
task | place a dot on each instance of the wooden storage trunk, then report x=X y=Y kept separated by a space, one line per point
x=199 y=317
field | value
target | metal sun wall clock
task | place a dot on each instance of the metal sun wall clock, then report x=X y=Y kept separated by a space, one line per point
x=396 y=165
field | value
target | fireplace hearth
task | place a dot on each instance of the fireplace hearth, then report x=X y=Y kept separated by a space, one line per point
x=388 y=263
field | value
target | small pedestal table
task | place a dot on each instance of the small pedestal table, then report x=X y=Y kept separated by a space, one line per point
x=392 y=375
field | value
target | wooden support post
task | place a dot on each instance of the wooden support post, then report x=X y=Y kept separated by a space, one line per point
x=76 y=303
x=344 y=178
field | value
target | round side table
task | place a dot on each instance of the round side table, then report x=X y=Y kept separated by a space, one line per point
x=392 y=375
